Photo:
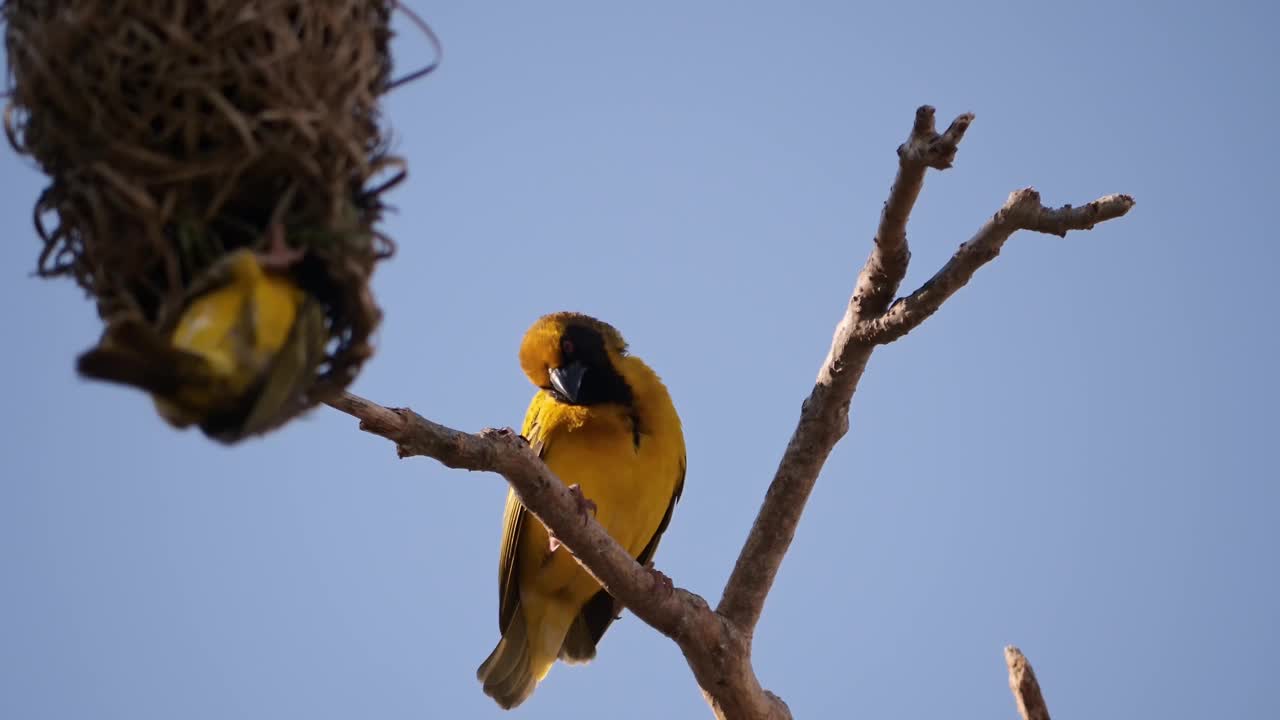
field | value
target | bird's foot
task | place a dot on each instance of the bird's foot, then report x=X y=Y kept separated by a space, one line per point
x=585 y=506
x=504 y=434
x=660 y=580
x=279 y=256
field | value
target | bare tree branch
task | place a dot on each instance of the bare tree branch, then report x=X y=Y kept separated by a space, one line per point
x=1026 y=690
x=717 y=644
x=824 y=417
x=886 y=267
x=505 y=453
x=1022 y=211
x=717 y=653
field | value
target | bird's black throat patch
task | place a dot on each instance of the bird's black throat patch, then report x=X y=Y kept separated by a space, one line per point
x=601 y=383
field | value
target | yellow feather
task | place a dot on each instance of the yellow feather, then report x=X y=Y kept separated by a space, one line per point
x=626 y=455
x=245 y=347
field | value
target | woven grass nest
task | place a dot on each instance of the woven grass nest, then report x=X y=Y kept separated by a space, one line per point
x=175 y=131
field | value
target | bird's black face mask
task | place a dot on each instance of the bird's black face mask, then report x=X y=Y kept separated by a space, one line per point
x=586 y=376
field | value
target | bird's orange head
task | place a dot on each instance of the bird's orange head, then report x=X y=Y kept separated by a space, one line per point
x=575 y=358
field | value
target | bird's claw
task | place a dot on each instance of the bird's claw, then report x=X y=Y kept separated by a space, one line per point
x=660 y=580
x=585 y=506
x=279 y=256
x=503 y=433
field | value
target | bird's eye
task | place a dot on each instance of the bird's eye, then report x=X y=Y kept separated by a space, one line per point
x=566 y=347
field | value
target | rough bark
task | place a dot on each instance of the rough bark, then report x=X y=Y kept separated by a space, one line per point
x=1026 y=690
x=824 y=417
x=1022 y=211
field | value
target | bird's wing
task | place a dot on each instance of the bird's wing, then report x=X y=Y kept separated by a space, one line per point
x=131 y=352
x=293 y=368
x=513 y=520
x=647 y=553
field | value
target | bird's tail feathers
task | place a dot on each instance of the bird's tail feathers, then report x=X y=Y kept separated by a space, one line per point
x=507 y=674
x=132 y=353
x=524 y=656
x=579 y=647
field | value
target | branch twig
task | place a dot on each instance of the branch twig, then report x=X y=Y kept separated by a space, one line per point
x=505 y=453
x=717 y=653
x=717 y=644
x=1022 y=211
x=824 y=417
x=1026 y=690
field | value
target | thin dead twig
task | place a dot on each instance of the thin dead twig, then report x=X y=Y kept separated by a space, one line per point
x=1026 y=690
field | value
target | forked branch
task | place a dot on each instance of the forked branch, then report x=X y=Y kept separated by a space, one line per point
x=1022 y=211
x=717 y=644
x=824 y=417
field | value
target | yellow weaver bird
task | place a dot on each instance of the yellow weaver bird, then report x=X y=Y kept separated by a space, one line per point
x=602 y=421
x=245 y=348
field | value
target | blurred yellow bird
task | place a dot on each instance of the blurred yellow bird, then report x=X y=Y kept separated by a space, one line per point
x=601 y=420
x=245 y=348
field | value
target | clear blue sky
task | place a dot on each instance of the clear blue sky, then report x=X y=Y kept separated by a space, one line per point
x=1072 y=456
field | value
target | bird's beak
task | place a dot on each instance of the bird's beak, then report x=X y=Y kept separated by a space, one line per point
x=567 y=380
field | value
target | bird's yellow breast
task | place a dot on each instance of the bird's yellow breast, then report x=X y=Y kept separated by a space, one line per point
x=630 y=482
x=240 y=326
x=609 y=427
x=237 y=328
